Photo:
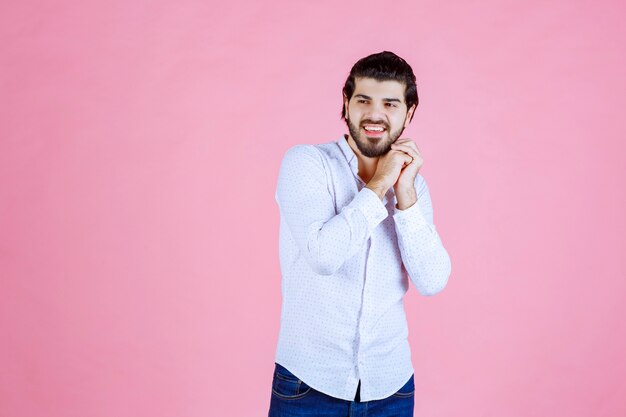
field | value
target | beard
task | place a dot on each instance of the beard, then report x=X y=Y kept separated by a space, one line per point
x=373 y=148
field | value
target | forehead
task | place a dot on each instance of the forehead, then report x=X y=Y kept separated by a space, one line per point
x=379 y=89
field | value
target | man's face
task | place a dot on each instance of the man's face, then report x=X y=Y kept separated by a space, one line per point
x=376 y=115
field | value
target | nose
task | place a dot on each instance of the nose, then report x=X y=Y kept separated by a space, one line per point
x=376 y=112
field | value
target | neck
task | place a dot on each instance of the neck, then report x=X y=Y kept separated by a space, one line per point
x=367 y=165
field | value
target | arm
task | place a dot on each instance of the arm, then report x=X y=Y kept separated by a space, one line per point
x=326 y=239
x=423 y=255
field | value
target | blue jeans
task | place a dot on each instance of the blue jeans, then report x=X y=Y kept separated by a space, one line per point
x=293 y=397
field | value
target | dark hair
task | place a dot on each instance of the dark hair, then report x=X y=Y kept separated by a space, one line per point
x=383 y=66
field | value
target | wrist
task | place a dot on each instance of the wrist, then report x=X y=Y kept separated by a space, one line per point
x=405 y=198
x=378 y=188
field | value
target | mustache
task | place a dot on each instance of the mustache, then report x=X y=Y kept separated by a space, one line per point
x=375 y=123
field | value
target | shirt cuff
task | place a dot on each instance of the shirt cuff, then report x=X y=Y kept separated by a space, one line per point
x=369 y=204
x=410 y=217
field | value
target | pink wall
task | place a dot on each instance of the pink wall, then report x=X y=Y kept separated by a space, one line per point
x=139 y=149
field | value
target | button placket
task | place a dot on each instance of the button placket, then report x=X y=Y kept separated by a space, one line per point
x=363 y=318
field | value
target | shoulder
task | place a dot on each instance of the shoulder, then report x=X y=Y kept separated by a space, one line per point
x=328 y=150
x=302 y=149
x=302 y=158
x=305 y=152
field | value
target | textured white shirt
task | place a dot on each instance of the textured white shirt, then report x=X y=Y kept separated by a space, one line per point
x=346 y=259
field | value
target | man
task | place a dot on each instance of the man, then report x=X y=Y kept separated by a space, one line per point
x=356 y=225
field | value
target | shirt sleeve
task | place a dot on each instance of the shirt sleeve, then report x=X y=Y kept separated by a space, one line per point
x=325 y=238
x=424 y=257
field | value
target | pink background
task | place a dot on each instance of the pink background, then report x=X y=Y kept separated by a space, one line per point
x=139 y=151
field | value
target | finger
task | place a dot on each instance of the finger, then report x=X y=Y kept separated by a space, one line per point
x=405 y=148
x=403 y=140
x=412 y=160
x=403 y=156
x=406 y=142
x=408 y=158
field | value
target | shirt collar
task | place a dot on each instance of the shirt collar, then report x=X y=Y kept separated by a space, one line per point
x=349 y=154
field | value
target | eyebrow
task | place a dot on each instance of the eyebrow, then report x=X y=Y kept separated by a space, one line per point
x=385 y=99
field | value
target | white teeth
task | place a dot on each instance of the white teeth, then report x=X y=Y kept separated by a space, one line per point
x=378 y=129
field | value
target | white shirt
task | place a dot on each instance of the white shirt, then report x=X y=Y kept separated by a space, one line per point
x=344 y=258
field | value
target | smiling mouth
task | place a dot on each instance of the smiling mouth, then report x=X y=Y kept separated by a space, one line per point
x=374 y=130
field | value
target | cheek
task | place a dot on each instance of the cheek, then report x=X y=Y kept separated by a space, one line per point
x=354 y=115
x=402 y=120
x=398 y=121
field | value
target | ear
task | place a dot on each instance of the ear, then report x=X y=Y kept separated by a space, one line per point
x=409 y=115
x=345 y=104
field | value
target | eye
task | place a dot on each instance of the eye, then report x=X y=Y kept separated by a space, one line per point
x=391 y=105
x=362 y=101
